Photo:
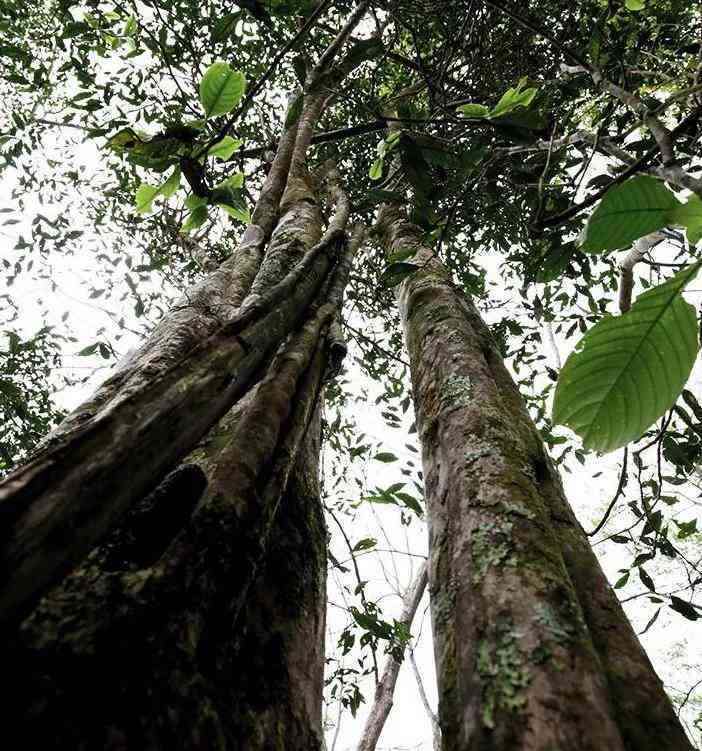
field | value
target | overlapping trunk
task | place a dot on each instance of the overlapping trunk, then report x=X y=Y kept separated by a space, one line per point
x=533 y=650
x=198 y=620
x=201 y=360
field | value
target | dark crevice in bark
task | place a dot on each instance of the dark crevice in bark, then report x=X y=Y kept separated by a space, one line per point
x=149 y=527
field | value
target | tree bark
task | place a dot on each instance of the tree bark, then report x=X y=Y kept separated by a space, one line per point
x=533 y=650
x=198 y=621
x=95 y=669
x=156 y=409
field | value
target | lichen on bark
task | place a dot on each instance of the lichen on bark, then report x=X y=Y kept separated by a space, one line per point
x=532 y=649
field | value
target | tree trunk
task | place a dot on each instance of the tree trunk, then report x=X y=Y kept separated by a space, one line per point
x=92 y=669
x=156 y=409
x=533 y=650
x=198 y=621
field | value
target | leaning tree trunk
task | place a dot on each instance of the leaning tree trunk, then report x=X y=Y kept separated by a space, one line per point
x=533 y=650
x=187 y=376
x=198 y=620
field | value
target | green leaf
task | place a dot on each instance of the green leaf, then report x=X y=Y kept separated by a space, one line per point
x=689 y=215
x=376 y=169
x=474 y=110
x=242 y=215
x=513 y=98
x=221 y=89
x=622 y=580
x=411 y=502
x=145 y=196
x=193 y=201
x=365 y=544
x=646 y=580
x=171 y=185
x=628 y=370
x=385 y=456
x=225 y=148
x=130 y=27
x=234 y=181
x=197 y=217
x=635 y=5
x=397 y=272
x=89 y=350
x=627 y=212
x=294 y=111
x=685 y=529
x=684 y=608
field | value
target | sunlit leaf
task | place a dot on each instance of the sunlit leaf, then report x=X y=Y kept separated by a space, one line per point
x=171 y=185
x=627 y=212
x=145 y=196
x=689 y=215
x=474 y=110
x=221 y=89
x=225 y=148
x=376 y=169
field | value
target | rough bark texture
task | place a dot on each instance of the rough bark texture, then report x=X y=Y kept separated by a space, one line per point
x=533 y=650
x=129 y=679
x=155 y=409
x=198 y=620
x=198 y=623
x=57 y=506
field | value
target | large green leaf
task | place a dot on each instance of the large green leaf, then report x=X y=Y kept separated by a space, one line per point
x=629 y=369
x=627 y=212
x=689 y=215
x=145 y=196
x=225 y=148
x=220 y=89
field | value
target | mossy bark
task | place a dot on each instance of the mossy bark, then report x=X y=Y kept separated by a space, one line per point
x=533 y=650
x=96 y=668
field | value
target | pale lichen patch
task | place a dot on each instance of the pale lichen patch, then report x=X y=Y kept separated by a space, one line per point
x=456 y=392
x=491 y=546
x=504 y=675
x=476 y=448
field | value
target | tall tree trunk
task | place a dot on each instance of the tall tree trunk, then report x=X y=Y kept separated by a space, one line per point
x=198 y=621
x=165 y=400
x=533 y=650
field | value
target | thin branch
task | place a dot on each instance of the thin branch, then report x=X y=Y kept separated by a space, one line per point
x=620 y=488
x=386 y=688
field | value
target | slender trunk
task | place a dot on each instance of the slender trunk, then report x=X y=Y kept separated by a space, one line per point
x=533 y=650
x=385 y=689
